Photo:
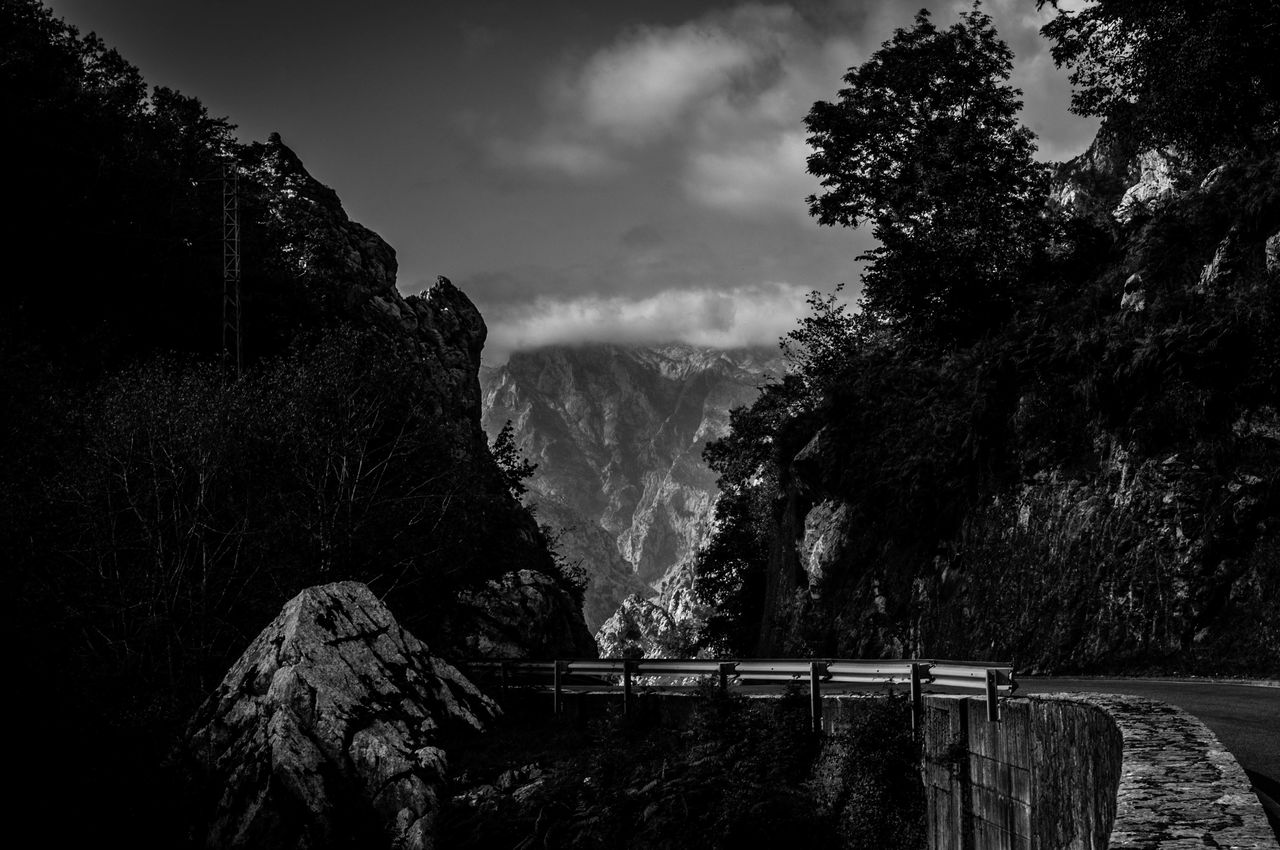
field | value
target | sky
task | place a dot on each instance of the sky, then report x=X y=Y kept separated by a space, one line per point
x=618 y=170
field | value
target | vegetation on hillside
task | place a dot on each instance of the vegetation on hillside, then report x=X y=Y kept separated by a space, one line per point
x=1047 y=434
x=736 y=776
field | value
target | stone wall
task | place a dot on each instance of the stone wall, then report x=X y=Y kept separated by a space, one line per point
x=1082 y=772
x=1179 y=788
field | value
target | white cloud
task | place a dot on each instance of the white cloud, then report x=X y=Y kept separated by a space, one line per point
x=764 y=174
x=720 y=318
x=561 y=156
x=640 y=88
x=722 y=95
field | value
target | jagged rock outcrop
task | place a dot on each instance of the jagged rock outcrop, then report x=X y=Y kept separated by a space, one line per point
x=525 y=614
x=1157 y=173
x=643 y=629
x=327 y=731
x=584 y=544
x=618 y=433
x=1272 y=254
x=667 y=626
x=1111 y=180
x=347 y=270
x=1089 y=184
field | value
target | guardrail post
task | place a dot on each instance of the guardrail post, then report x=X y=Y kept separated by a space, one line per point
x=502 y=676
x=917 y=696
x=993 y=698
x=726 y=667
x=559 y=693
x=816 y=669
x=626 y=686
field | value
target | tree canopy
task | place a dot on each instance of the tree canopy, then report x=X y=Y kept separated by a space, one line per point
x=925 y=145
x=1201 y=76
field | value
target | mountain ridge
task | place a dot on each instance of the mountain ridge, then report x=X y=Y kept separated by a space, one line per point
x=617 y=432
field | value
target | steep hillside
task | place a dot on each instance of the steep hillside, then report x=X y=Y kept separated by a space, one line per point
x=1091 y=487
x=156 y=505
x=617 y=434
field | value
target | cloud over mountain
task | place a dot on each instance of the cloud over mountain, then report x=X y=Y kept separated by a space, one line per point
x=720 y=318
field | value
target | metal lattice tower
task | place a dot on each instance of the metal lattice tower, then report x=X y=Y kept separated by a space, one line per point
x=231 y=267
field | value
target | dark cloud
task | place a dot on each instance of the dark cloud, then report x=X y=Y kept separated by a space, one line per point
x=642 y=236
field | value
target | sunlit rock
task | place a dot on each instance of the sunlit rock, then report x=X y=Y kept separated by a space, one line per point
x=327 y=731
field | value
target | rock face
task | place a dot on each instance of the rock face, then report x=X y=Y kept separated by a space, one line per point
x=644 y=629
x=618 y=433
x=1110 y=180
x=346 y=269
x=327 y=731
x=1156 y=175
x=525 y=614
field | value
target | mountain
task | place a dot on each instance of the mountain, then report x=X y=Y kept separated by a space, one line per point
x=617 y=433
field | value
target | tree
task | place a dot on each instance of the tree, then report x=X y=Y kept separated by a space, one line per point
x=514 y=466
x=925 y=145
x=1200 y=76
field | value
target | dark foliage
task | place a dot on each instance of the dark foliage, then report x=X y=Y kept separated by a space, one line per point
x=1084 y=485
x=154 y=512
x=1202 y=77
x=515 y=467
x=868 y=778
x=924 y=144
x=738 y=776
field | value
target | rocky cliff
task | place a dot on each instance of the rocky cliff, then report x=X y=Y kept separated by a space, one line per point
x=617 y=434
x=346 y=272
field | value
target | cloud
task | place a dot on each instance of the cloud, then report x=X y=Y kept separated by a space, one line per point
x=719 y=318
x=558 y=155
x=761 y=175
x=724 y=95
x=641 y=87
x=721 y=97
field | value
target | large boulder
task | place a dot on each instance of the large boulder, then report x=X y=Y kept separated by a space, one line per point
x=328 y=730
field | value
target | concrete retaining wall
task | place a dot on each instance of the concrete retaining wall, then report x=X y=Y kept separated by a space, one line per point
x=1044 y=776
x=1083 y=772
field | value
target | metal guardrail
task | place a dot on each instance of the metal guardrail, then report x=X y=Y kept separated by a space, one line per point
x=993 y=680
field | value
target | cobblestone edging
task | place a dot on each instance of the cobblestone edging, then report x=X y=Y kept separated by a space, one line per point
x=1179 y=788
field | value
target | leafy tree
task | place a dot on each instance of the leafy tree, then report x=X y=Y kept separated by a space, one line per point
x=515 y=467
x=823 y=344
x=1201 y=76
x=925 y=145
x=732 y=569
